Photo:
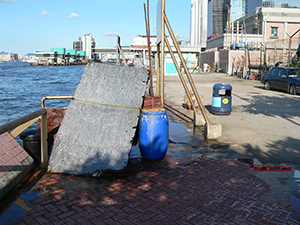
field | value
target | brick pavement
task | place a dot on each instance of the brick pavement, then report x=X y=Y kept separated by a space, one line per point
x=189 y=191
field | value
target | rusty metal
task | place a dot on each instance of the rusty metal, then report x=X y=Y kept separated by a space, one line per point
x=180 y=75
x=186 y=70
x=147 y=22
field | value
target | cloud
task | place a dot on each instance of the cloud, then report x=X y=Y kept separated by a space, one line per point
x=45 y=13
x=73 y=15
x=23 y=17
x=7 y=1
x=110 y=33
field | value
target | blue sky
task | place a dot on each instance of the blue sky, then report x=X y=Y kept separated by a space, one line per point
x=38 y=25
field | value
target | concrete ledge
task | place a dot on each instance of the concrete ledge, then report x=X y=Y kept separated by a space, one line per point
x=12 y=178
x=213 y=131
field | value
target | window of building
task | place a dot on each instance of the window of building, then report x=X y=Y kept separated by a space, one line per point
x=274 y=32
x=255 y=31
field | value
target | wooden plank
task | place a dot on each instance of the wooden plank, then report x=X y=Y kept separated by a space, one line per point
x=23 y=127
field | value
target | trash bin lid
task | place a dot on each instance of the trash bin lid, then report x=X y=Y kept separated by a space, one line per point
x=222 y=86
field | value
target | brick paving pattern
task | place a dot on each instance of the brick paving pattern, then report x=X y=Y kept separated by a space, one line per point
x=192 y=191
x=11 y=153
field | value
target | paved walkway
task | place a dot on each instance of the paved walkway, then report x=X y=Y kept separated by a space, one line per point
x=188 y=191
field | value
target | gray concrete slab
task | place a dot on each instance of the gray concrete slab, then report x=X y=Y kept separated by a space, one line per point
x=101 y=121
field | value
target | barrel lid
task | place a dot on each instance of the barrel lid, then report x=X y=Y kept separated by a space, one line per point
x=222 y=86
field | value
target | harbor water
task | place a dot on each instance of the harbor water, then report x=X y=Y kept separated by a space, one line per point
x=23 y=86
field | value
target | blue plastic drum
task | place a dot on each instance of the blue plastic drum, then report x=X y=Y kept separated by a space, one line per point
x=154 y=133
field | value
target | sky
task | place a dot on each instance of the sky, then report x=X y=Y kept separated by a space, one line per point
x=27 y=26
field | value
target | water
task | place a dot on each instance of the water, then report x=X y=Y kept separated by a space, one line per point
x=23 y=86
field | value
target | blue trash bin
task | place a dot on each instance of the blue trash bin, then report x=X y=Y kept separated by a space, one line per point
x=153 y=133
x=222 y=100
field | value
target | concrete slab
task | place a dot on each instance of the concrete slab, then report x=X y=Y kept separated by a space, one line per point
x=15 y=163
x=101 y=120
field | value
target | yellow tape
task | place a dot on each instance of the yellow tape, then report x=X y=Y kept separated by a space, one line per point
x=96 y=103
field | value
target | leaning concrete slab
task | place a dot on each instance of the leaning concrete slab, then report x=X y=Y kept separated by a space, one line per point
x=15 y=163
x=101 y=120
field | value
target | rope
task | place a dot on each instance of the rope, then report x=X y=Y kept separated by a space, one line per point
x=117 y=106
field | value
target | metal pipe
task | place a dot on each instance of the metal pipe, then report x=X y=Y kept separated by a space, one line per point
x=180 y=75
x=15 y=123
x=158 y=70
x=54 y=97
x=186 y=70
x=162 y=53
x=147 y=22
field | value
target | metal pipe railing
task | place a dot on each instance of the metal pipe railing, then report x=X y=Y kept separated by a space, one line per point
x=24 y=119
x=29 y=119
x=44 y=128
x=54 y=97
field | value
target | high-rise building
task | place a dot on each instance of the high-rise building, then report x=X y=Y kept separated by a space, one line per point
x=252 y=4
x=198 y=25
x=237 y=9
x=217 y=17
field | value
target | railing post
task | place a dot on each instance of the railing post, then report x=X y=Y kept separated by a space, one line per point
x=44 y=142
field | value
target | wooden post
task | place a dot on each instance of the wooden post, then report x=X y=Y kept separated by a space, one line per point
x=44 y=142
x=118 y=52
x=186 y=70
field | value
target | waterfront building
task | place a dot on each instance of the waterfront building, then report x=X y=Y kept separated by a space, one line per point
x=8 y=56
x=140 y=49
x=86 y=44
x=265 y=39
x=83 y=50
x=253 y=4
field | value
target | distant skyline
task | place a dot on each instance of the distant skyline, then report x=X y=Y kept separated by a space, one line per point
x=38 y=25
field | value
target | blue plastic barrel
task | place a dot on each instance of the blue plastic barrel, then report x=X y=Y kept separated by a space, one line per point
x=153 y=133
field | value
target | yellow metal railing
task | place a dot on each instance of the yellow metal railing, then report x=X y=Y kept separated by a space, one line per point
x=17 y=126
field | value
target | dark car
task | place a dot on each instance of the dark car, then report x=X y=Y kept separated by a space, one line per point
x=283 y=78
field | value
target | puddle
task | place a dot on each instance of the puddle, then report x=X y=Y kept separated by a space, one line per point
x=183 y=142
x=18 y=208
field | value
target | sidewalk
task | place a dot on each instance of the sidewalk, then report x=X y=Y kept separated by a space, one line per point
x=190 y=191
x=187 y=187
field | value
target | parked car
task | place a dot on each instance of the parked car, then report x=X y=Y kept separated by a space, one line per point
x=282 y=78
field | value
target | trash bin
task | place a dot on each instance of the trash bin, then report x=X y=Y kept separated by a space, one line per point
x=221 y=100
x=32 y=143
